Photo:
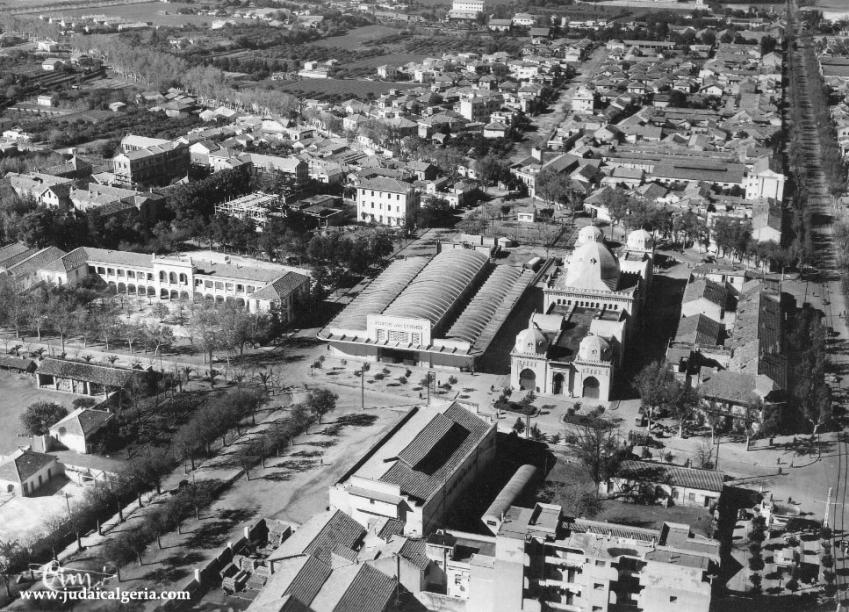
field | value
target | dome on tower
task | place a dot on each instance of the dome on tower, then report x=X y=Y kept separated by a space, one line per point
x=589 y=233
x=593 y=267
x=531 y=341
x=640 y=240
x=594 y=348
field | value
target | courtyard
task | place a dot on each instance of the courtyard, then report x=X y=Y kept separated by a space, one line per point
x=17 y=391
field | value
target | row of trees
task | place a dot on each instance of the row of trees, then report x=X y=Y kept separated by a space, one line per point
x=80 y=313
x=209 y=423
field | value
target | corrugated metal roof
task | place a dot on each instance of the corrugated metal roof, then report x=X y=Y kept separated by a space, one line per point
x=438 y=286
x=379 y=293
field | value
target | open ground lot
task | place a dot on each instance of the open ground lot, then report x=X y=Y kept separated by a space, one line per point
x=17 y=391
x=22 y=518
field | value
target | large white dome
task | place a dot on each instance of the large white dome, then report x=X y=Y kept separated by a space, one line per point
x=594 y=348
x=531 y=341
x=593 y=267
x=640 y=240
x=589 y=233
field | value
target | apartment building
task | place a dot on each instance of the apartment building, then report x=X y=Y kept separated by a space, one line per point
x=466 y=9
x=150 y=161
x=539 y=559
x=480 y=106
x=386 y=201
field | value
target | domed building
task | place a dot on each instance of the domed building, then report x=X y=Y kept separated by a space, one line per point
x=592 y=306
x=589 y=233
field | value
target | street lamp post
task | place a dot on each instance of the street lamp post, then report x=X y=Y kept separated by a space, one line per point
x=363 y=371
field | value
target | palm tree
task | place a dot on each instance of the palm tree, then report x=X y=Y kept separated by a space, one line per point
x=265 y=378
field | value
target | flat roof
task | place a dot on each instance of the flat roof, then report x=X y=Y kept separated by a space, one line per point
x=575 y=328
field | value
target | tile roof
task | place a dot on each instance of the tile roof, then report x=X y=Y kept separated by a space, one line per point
x=308 y=581
x=391 y=528
x=422 y=484
x=415 y=551
x=119 y=258
x=705 y=480
x=83 y=421
x=733 y=387
x=340 y=529
x=707 y=289
x=23 y=464
x=91 y=372
x=34 y=262
x=390 y=185
x=700 y=329
x=369 y=591
x=12 y=251
x=16 y=363
x=282 y=287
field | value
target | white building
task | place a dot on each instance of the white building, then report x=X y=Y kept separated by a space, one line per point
x=583 y=101
x=25 y=471
x=479 y=107
x=763 y=182
x=590 y=312
x=466 y=9
x=257 y=287
x=416 y=473
x=78 y=430
x=386 y=201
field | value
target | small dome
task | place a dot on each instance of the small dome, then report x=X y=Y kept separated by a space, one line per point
x=590 y=233
x=593 y=267
x=594 y=348
x=640 y=240
x=531 y=341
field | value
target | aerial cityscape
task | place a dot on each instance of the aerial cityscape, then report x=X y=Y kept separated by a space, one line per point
x=424 y=305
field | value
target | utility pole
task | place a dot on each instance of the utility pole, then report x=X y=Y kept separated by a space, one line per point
x=718 y=442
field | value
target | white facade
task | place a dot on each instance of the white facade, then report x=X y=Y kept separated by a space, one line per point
x=386 y=202
x=765 y=184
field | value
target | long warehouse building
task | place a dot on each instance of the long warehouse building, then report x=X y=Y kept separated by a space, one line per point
x=440 y=311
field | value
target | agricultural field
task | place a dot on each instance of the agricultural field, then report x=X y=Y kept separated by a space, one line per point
x=158 y=13
x=358 y=38
x=337 y=88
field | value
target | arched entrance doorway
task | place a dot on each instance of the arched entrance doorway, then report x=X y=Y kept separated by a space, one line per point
x=528 y=380
x=557 y=384
x=591 y=387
